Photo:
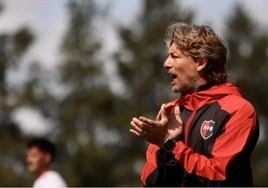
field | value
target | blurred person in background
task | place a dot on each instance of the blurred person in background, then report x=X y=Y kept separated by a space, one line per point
x=40 y=154
x=206 y=136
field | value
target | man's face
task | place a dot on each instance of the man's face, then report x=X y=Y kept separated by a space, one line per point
x=183 y=70
x=37 y=160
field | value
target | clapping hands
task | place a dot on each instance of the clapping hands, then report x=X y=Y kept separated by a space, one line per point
x=168 y=124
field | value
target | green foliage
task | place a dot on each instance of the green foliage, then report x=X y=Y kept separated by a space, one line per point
x=12 y=47
x=260 y=167
x=88 y=105
x=248 y=58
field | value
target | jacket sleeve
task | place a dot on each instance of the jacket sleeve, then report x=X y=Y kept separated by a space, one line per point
x=167 y=172
x=238 y=132
x=150 y=164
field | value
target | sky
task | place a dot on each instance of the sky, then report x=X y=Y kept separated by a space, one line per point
x=47 y=19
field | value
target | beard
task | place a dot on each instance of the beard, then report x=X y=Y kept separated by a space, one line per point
x=186 y=87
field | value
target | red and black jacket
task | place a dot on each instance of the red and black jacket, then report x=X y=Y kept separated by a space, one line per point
x=220 y=132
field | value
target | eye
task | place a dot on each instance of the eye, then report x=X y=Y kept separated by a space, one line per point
x=175 y=56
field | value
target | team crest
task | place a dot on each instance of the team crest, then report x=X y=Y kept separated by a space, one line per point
x=206 y=129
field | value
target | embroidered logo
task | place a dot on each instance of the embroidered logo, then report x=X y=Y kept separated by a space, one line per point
x=206 y=129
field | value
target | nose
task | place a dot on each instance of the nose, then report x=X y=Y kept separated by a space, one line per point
x=167 y=63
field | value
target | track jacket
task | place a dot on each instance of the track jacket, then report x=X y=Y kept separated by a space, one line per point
x=220 y=132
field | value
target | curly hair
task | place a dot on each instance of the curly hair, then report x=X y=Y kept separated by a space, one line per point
x=200 y=42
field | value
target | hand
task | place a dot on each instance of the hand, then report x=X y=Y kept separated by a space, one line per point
x=154 y=132
x=171 y=112
x=167 y=124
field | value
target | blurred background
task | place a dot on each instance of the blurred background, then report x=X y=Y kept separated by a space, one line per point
x=77 y=71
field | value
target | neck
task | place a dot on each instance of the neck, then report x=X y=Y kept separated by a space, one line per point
x=41 y=172
x=206 y=86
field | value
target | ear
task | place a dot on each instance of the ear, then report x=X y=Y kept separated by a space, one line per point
x=201 y=64
x=48 y=158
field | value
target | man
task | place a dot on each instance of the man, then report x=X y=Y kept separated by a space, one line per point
x=207 y=135
x=40 y=154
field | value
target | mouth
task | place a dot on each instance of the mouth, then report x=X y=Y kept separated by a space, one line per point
x=172 y=75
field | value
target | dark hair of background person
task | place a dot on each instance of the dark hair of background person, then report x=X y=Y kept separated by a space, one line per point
x=43 y=145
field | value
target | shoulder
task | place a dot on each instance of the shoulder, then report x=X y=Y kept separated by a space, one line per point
x=233 y=100
x=56 y=178
x=235 y=103
x=242 y=113
x=50 y=179
x=52 y=174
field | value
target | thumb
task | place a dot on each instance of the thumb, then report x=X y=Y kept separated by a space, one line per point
x=158 y=117
x=163 y=114
x=177 y=113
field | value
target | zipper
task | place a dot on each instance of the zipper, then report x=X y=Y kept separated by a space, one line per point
x=187 y=126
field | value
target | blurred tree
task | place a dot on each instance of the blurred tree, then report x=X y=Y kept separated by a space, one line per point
x=87 y=105
x=12 y=48
x=248 y=46
x=248 y=58
x=260 y=166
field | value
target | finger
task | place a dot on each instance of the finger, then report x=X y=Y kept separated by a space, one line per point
x=146 y=122
x=135 y=126
x=177 y=110
x=140 y=122
x=137 y=131
x=177 y=113
x=169 y=107
x=160 y=113
x=158 y=117
x=134 y=132
x=163 y=114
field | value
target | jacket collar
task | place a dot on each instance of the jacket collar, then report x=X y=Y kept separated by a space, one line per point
x=207 y=94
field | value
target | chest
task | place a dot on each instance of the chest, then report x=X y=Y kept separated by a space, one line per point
x=201 y=128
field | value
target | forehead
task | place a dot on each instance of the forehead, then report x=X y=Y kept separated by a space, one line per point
x=34 y=150
x=174 y=48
